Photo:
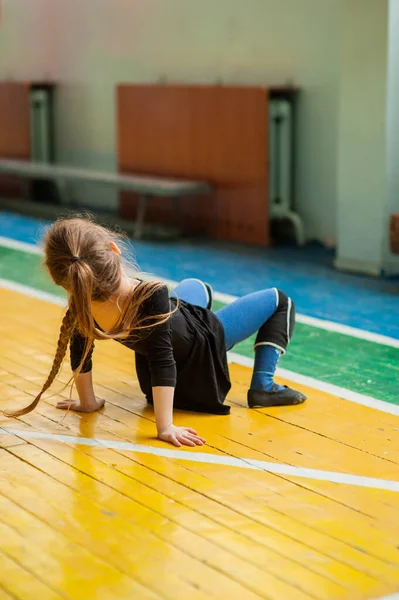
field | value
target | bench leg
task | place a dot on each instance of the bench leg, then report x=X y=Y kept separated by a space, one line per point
x=138 y=229
x=63 y=190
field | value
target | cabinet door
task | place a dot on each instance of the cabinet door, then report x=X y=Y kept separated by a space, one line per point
x=214 y=133
x=15 y=131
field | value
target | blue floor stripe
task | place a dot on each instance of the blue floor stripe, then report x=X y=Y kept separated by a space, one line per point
x=304 y=274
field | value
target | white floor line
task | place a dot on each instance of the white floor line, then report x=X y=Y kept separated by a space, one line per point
x=23 y=246
x=227 y=299
x=213 y=459
x=32 y=292
x=245 y=361
x=391 y=597
x=361 y=334
x=329 y=388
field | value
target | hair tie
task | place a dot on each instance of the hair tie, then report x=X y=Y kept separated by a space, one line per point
x=75 y=259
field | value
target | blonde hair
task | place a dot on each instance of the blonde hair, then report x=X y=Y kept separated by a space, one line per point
x=79 y=257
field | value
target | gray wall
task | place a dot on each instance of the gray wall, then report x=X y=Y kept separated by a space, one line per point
x=89 y=46
x=343 y=54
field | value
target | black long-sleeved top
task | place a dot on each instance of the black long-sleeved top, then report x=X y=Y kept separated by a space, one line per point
x=186 y=352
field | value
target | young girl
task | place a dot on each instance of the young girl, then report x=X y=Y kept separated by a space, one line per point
x=180 y=345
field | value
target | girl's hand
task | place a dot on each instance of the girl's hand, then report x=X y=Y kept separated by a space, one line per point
x=181 y=436
x=85 y=407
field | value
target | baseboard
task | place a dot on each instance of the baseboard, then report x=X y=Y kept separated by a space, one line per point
x=352 y=265
x=391 y=267
x=33 y=209
x=51 y=212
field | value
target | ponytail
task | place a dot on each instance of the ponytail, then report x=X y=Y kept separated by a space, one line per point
x=79 y=258
x=65 y=335
x=82 y=282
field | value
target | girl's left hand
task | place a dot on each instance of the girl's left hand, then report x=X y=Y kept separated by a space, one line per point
x=79 y=406
x=179 y=436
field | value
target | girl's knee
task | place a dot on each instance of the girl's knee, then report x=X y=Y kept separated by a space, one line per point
x=282 y=298
x=191 y=280
x=283 y=301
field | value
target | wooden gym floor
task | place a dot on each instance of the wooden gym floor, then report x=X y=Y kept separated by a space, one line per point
x=290 y=503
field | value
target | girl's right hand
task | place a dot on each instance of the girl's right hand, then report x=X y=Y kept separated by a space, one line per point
x=180 y=436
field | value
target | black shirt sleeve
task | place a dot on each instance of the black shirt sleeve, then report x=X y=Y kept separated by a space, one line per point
x=158 y=344
x=77 y=347
x=155 y=345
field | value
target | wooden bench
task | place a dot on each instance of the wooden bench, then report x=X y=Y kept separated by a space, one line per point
x=146 y=186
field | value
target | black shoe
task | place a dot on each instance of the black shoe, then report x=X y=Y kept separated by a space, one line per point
x=275 y=397
x=210 y=296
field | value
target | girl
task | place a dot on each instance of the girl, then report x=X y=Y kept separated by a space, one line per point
x=180 y=345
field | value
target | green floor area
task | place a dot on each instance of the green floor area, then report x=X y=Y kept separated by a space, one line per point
x=348 y=362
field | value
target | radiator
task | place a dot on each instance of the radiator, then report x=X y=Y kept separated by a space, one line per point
x=281 y=134
x=280 y=173
x=41 y=125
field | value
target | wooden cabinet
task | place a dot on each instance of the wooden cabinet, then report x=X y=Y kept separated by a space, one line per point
x=26 y=127
x=214 y=133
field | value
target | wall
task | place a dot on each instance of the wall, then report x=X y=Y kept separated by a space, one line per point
x=89 y=46
x=368 y=150
x=362 y=135
x=391 y=262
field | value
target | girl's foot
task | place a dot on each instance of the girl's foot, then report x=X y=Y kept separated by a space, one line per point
x=86 y=407
x=277 y=396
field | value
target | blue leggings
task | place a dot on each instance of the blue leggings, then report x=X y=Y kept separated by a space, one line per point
x=268 y=312
x=192 y=291
x=245 y=316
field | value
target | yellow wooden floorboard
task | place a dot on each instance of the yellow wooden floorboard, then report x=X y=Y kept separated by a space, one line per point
x=382 y=469
x=327 y=596
x=57 y=451
x=206 y=531
x=286 y=440
x=261 y=481
x=371 y=506
x=276 y=415
x=11 y=440
x=136 y=550
x=212 y=512
x=243 y=571
x=376 y=432
x=243 y=510
x=111 y=457
x=63 y=574
x=302 y=578
x=341 y=448
x=21 y=584
x=57 y=448
x=352 y=579
x=4 y=595
x=117 y=424
x=73 y=563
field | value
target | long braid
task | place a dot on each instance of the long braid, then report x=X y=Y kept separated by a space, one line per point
x=65 y=335
x=83 y=258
